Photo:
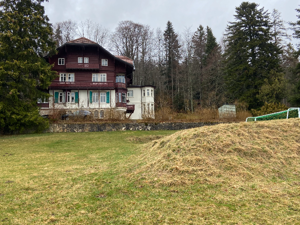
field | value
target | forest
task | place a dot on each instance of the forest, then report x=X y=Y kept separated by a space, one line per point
x=254 y=65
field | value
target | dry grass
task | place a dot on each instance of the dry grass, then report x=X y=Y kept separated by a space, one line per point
x=252 y=169
x=238 y=173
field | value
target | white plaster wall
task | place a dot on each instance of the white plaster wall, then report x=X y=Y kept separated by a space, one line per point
x=83 y=103
x=138 y=100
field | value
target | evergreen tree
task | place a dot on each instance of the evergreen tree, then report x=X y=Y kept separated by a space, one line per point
x=172 y=56
x=199 y=56
x=296 y=28
x=25 y=37
x=250 y=54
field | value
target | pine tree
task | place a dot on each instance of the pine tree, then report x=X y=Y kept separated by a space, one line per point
x=296 y=28
x=250 y=54
x=199 y=56
x=172 y=56
x=25 y=37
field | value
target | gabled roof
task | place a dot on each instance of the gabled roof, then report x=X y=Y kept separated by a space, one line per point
x=84 y=42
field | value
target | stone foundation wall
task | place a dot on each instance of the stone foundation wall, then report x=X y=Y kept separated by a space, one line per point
x=94 y=127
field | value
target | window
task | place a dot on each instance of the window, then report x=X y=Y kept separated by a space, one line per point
x=120 y=79
x=95 y=78
x=80 y=60
x=120 y=97
x=102 y=114
x=102 y=97
x=151 y=93
x=144 y=108
x=86 y=59
x=62 y=77
x=96 y=114
x=152 y=108
x=70 y=77
x=61 y=61
x=42 y=100
x=130 y=93
x=95 y=97
x=123 y=97
x=102 y=77
x=104 y=62
x=71 y=97
x=99 y=77
x=148 y=92
x=61 y=97
x=143 y=92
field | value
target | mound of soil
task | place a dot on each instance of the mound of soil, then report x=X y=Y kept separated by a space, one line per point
x=227 y=153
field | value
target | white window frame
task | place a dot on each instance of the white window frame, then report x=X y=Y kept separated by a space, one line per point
x=95 y=97
x=61 y=97
x=102 y=97
x=86 y=60
x=61 y=61
x=144 y=93
x=102 y=77
x=62 y=77
x=120 y=97
x=148 y=92
x=151 y=93
x=67 y=77
x=71 y=77
x=99 y=77
x=104 y=62
x=130 y=93
x=95 y=77
x=71 y=97
x=120 y=79
x=43 y=100
x=80 y=60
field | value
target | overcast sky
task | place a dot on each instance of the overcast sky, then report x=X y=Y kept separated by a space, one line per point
x=182 y=13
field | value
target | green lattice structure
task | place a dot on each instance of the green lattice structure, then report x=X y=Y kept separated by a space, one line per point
x=286 y=114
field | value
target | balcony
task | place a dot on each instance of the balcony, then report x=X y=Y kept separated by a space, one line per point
x=121 y=104
x=82 y=85
x=43 y=105
x=120 y=85
x=84 y=66
x=130 y=108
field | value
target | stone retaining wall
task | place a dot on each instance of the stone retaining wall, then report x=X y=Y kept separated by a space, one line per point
x=94 y=127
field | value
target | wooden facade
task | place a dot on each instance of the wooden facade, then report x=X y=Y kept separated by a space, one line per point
x=86 y=72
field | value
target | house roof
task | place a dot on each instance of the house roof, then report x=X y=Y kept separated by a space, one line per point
x=84 y=42
x=124 y=58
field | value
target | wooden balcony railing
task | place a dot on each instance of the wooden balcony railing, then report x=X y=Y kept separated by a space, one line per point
x=130 y=108
x=120 y=85
x=121 y=104
x=81 y=85
x=86 y=66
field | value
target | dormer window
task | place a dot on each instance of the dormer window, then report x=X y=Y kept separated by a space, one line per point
x=86 y=59
x=61 y=61
x=80 y=60
x=104 y=62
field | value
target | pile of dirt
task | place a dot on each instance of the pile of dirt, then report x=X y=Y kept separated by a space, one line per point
x=225 y=153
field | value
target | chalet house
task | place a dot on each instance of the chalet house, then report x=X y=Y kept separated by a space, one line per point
x=91 y=78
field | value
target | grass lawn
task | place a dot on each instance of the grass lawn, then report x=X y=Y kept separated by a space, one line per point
x=243 y=173
x=69 y=178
